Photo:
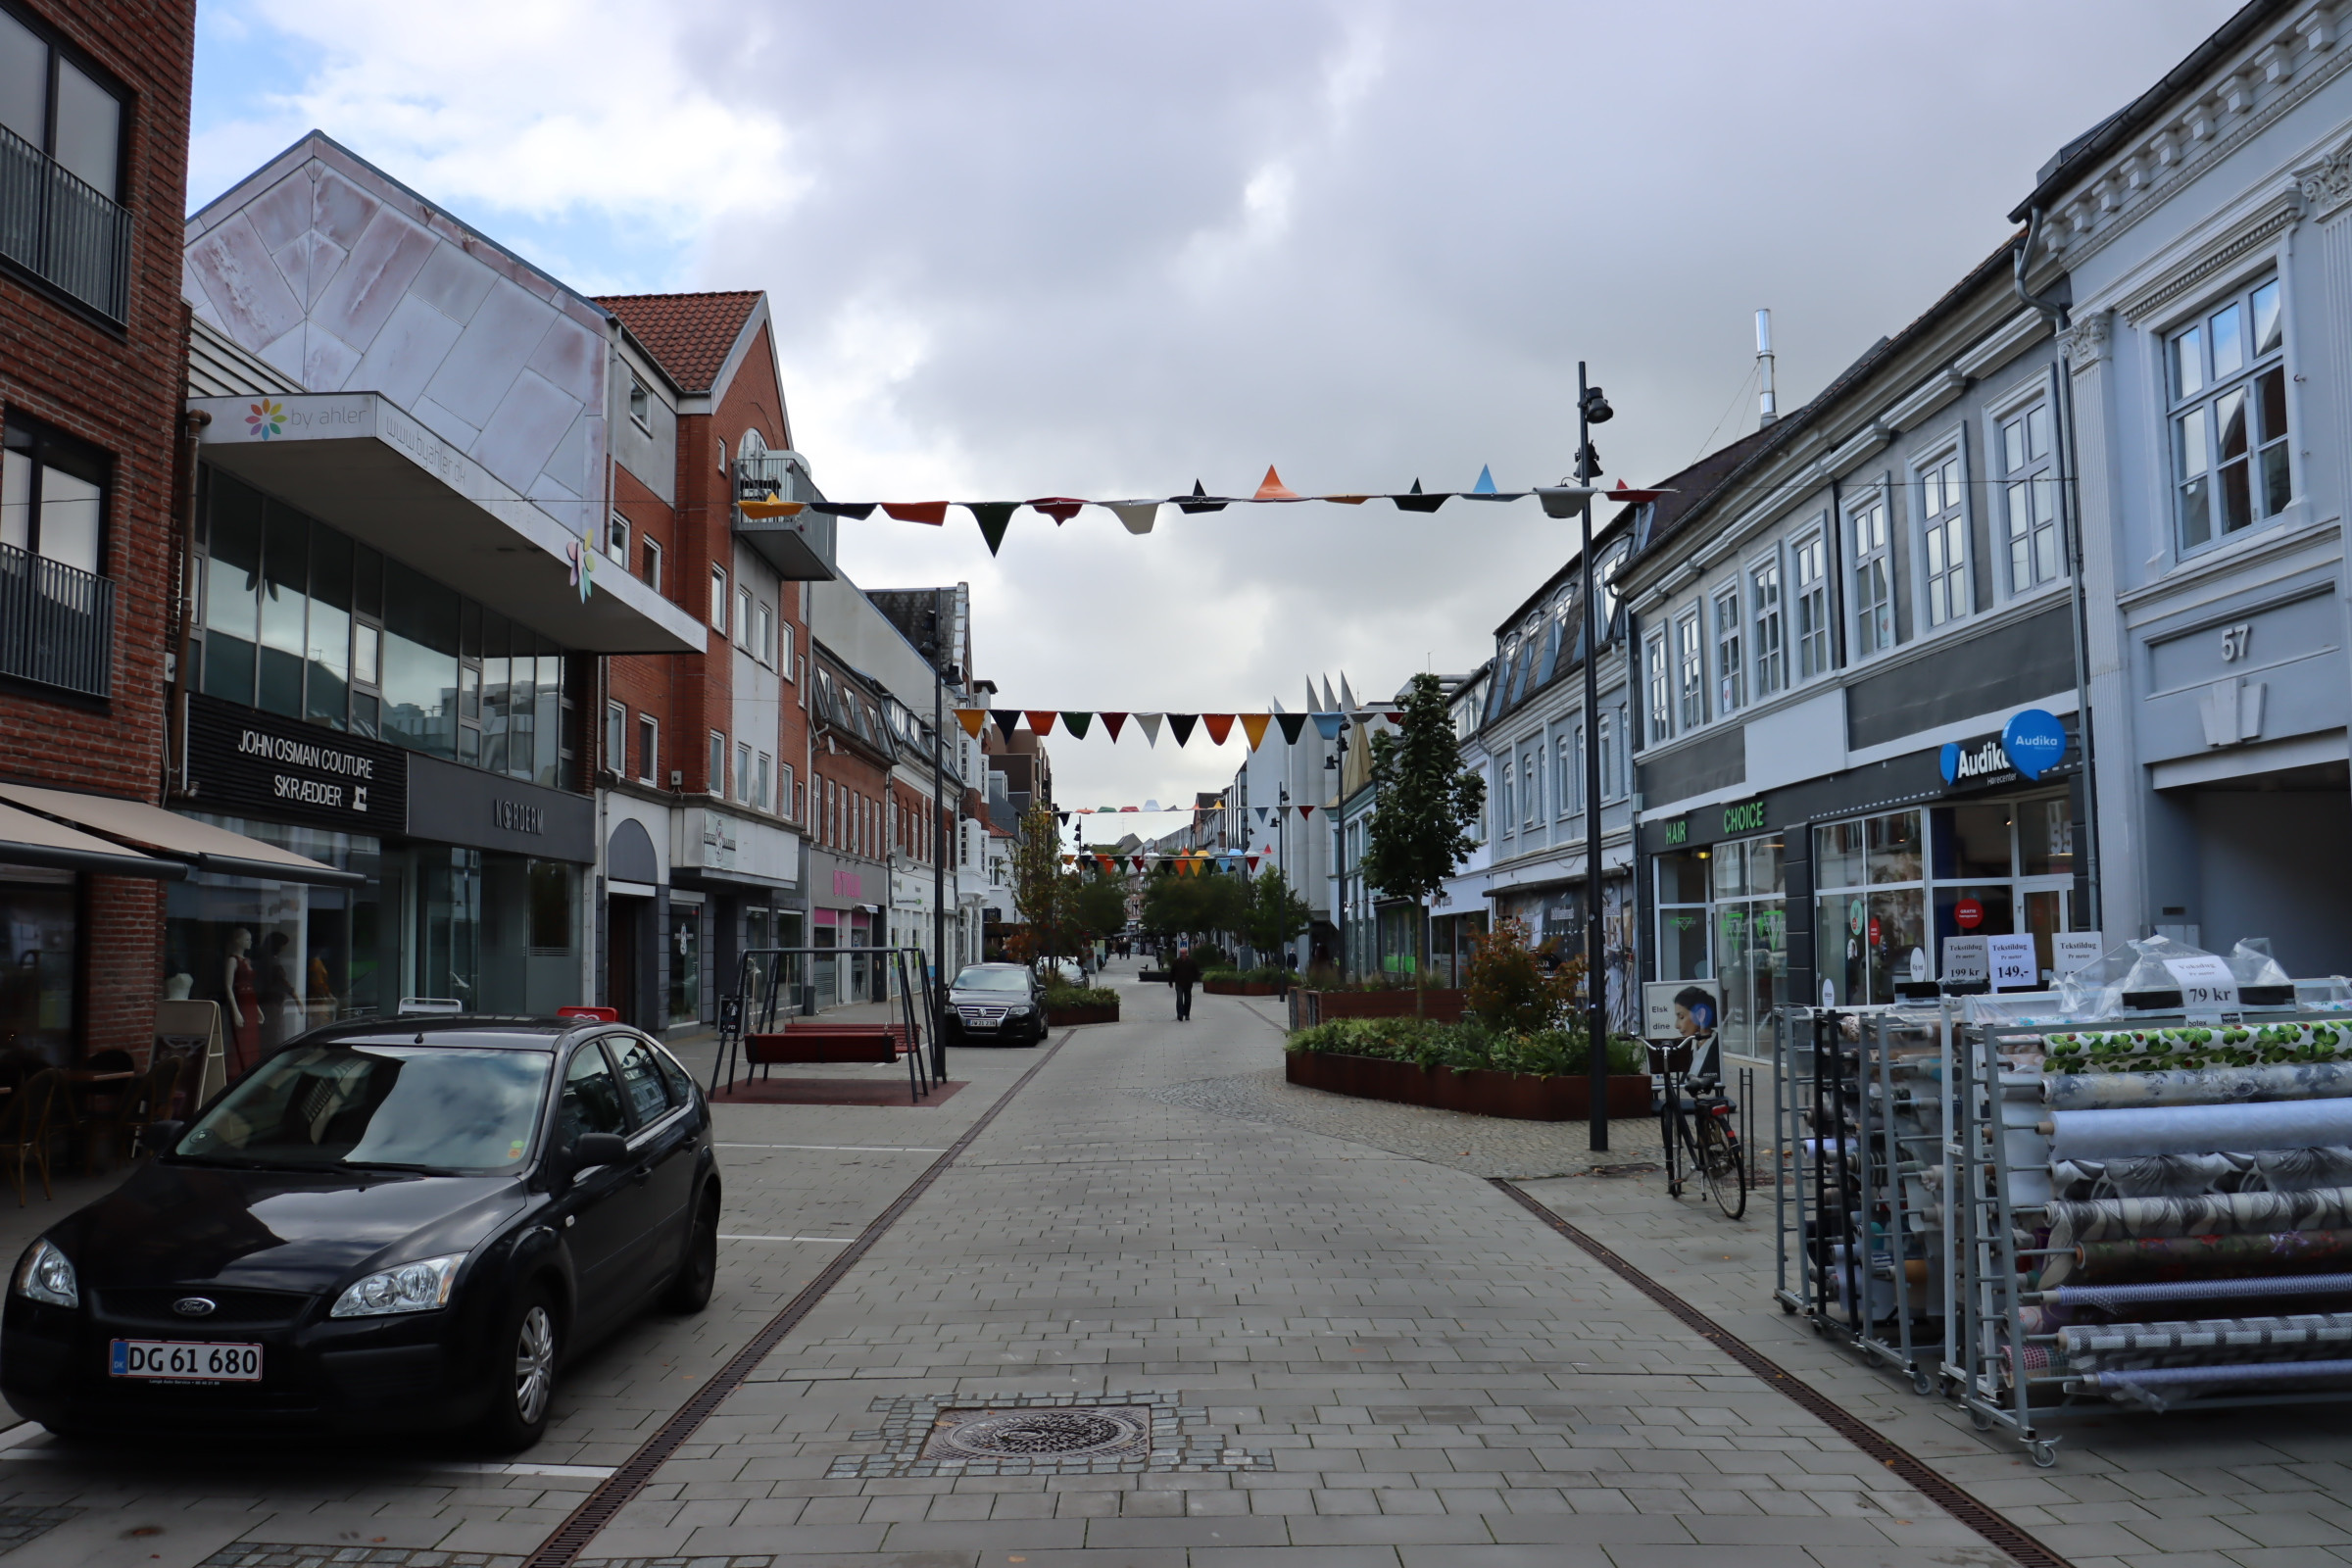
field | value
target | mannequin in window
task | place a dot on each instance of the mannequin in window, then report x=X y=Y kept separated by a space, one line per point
x=244 y=1003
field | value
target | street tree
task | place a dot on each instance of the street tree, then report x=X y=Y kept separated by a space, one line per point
x=1424 y=806
x=1041 y=896
x=1276 y=914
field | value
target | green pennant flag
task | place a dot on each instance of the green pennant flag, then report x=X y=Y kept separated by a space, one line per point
x=1076 y=723
x=993 y=517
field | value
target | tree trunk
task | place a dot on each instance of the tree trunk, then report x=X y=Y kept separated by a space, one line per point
x=1420 y=958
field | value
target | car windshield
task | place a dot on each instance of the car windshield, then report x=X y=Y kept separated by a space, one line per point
x=978 y=979
x=338 y=1106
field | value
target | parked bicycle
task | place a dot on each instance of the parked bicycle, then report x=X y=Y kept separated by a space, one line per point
x=1703 y=1139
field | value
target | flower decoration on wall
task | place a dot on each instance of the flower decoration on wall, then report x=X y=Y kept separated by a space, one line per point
x=267 y=420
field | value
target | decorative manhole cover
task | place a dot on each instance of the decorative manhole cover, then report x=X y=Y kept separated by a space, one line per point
x=1082 y=1431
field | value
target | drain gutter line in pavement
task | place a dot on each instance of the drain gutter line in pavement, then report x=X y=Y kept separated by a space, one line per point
x=601 y=1505
x=1963 y=1507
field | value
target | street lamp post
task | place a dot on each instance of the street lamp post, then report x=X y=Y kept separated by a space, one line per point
x=1592 y=408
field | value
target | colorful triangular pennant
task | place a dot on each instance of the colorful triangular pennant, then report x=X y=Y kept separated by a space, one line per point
x=1271 y=488
x=993 y=517
x=1061 y=509
x=1292 y=724
x=934 y=513
x=1326 y=725
x=1254 y=728
x=1076 y=723
x=1180 y=725
x=971 y=718
x=1200 y=501
x=1041 y=720
x=1151 y=724
x=1415 y=501
x=1007 y=719
x=1219 y=725
x=1307 y=810
x=1114 y=722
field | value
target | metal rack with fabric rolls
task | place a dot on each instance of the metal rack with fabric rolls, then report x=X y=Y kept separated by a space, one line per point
x=2154 y=1213
x=1857 y=1118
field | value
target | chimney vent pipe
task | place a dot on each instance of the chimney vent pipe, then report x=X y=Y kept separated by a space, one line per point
x=1767 y=409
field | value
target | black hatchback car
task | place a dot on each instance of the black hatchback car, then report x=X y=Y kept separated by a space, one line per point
x=996 y=1003
x=381 y=1227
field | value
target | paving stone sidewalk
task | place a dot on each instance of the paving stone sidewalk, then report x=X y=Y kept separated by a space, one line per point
x=1396 y=1366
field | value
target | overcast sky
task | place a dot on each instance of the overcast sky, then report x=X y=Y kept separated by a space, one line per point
x=1074 y=249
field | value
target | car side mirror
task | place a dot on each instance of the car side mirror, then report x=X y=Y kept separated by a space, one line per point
x=599 y=1148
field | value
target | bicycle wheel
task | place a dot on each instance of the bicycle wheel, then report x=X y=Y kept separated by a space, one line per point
x=1685 y=1154
x=1722 y=1168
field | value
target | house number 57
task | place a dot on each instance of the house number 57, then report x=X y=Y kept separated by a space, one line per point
x=2237 y=642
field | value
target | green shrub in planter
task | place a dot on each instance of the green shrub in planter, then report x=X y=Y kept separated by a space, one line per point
x=1468 y=1046
x=1076 y=997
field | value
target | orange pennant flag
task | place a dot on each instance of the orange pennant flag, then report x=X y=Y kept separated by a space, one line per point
x=1271 y=488
x=971 y=718
x=773 y=509
x=934 y=513
x=1041 y=719
x=1254 y=726
x=1219 y=725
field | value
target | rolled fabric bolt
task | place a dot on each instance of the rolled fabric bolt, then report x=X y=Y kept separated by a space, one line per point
x=2109 y=1219
x=2118 y=1297
x=2149 y=1258
x=2208 y=1341
x=2210 y=1086
x=2251 y=1372
x=2199 y=1129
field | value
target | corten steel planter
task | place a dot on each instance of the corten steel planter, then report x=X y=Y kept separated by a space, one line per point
x=819 y=1044
x=1518 y=1095
x=1058 y=1017
x=1238 y=988
x=1440 y=1007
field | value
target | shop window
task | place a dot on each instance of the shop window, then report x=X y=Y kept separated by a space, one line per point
x=1682 y=915
x=1770 y=633
x=1874 y=578
x=278 y=958
x=685 y=963
x=2228 y=375
x=2029 y=497
x=420 y=662
x=554 y=909
x=232 y=589
x=1690 y=673
x=1809 y=563
x=328 y=649
x=39 y=946
x=1943 y=539
x=1731 y=669
x=649 y=749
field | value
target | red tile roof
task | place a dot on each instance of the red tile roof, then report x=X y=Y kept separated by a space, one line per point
x=688 y=334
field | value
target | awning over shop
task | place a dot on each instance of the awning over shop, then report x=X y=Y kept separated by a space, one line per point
x=356 y=462
x=30 y=840
x=181 y=841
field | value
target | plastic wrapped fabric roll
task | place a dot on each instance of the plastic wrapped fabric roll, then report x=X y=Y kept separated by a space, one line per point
x=2151 y=1176
x=2299 y=1170
x=2210 y=1086
x=2197 y=1257
x=2250 y=1372
x=2200 y=1129
x=2122 y=1298
x=2109 y=1219
x=2206 y=1342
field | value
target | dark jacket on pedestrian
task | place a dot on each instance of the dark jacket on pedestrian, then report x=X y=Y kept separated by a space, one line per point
x=1184 y=971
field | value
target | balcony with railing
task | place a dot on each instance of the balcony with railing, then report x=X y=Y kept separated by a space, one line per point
x=63 y=230
x=57 y=623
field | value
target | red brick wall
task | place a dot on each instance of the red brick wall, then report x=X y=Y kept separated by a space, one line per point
x=121 y=393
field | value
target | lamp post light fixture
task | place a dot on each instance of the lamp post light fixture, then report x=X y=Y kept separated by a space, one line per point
x=1592 y=409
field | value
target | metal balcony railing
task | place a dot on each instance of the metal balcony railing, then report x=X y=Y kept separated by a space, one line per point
x=62 y=231
x=57 y=623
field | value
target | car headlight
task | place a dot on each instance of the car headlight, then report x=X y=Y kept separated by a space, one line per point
x=409 y=1287
x=47 y=1275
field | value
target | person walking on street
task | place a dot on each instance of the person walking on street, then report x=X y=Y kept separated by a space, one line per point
x=1184 y=974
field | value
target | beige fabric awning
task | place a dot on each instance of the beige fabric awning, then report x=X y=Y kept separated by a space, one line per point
x=30 y=840
x=169 y=834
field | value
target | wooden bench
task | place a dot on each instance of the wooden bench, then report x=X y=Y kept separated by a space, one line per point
x=813 y=1041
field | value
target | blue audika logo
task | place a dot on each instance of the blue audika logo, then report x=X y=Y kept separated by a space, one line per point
x=2035 y=742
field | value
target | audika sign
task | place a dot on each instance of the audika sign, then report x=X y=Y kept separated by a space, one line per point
x=242 y=763
x=2033 y=744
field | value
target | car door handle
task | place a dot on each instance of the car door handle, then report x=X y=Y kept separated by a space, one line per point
x=642 y=1174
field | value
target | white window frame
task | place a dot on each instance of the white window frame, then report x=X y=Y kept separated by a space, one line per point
x=1506 y=815
x=1946 y=581
x=1605 y=729
x=717 y=784
x=742 y=770
x=720 y=605
x=1767 y=587
x=764 y=633
x=1530 y=787
x=1690 y=668
x=641 y=405
x=2026 y=488
x=1660 y=685
x=652 y=564
x=2211 y=395
x=1811 y=619
x=616 y=539
x=1727 y=606
x=743 y=618
x=616 y=738
x=784 y=655
x=1565 y=790
x=1870 y=557
x=649 y=749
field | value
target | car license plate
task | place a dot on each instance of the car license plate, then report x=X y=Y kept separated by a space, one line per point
x=182 y=1361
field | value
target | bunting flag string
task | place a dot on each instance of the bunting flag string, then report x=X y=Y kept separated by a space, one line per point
x=1138 y=515
x=1218 y=727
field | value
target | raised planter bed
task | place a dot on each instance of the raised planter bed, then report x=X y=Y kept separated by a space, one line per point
x=1060 y=1018
x=1519 y=1096
x=820 y=1045
x=1239 y=988
x=1153 y=977
x=1322 y=1007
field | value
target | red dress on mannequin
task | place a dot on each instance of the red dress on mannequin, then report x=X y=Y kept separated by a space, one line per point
x=248 y=1004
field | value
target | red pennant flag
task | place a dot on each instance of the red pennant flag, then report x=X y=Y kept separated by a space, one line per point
x=1219 y=725
x=1139 y=863
x=1041 y=719
x=1061 y=509
x=1307 y=810
x=1113 y=722
x=1397 y=719
x=1252 y=859
x=934 y=513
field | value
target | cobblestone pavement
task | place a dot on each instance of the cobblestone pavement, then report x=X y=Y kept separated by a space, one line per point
x=1394 y=1365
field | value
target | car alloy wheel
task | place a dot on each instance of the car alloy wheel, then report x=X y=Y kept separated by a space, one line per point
x=534 y=1363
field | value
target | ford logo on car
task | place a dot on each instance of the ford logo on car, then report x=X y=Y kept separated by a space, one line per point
x=195 y=1306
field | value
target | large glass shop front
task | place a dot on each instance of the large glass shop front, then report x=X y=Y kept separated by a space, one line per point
x=1722 y=917
x=1889 y=887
